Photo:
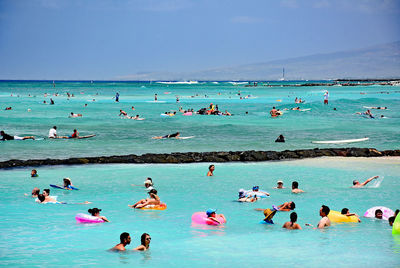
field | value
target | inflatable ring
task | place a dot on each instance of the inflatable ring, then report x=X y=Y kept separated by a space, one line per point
x=85 y=218
x=201 y=218
x=396 y=226
x=386 y=212
x=250 y=193
x=336 y=216
x=162 y=206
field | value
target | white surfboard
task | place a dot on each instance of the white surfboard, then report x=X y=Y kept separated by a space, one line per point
x=341 y=141
x=184 y=138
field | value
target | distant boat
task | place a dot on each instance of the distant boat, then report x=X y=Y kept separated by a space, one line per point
x=283 y=75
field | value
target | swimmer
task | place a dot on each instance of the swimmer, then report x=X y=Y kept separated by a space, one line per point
x=121 y=112
x=75 y=115
x=324 y=222
x=155 y=97
x=117 y=97
x=279 y=185
x=51 y=101
x=67 y=183
x=211 y=169
x=281 y=138
x=391 y=219
x=153 y=200
x=346 y=212
x=125 y=239
x=256 y=189
x=45 y=200
x=8 y=108
x=34 y=173
x=35 y=192
x=295 y=109
x=145 y=240
x=147 y=183
x=213 y=216
x=227 y=113
x=96 y=213
x=6 y=137
x=357 y=184
x=379 y=108
x=133 y=108
x=273 y=112
x=174 y=135
x=269 y=214
x=74 y=135
x=378 y=214
x=244 y=198
x=295 y=188
x=292 y=225
x=287 y=206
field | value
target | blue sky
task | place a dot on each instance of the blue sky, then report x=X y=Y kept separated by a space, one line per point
x=105 y=39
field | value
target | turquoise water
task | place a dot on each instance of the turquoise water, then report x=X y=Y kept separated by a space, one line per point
x=253 y=131
x=47 y=234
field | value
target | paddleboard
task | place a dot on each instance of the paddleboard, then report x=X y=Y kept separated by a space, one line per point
x=303 y=110
x=62 y=188
x=184 y=138
x=341 y=141
x=85 y=137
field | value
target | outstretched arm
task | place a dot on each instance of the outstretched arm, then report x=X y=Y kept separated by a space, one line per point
x=370 y=179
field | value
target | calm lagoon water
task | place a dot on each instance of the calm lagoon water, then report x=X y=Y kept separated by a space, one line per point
x=47 y=235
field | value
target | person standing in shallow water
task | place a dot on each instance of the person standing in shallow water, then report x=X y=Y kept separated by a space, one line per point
x=211 y=169
x=292 y=225
x=145 y=240
x=125 y=239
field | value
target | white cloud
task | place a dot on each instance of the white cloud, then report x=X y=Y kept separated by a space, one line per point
x=289 y=3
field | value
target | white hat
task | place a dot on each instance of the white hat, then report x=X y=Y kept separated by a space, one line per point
x=279 y=181
x=148 y=182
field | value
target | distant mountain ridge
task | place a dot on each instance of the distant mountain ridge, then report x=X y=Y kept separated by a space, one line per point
x=382 y=61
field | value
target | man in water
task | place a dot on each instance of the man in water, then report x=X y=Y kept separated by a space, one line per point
x=121 y=112
x=125 y=239
x=279 y=185
x=6 y=137
x=34 y=173
x=326 y=97
x=273 y=112
x=117 y=97
x=324 y=222
x=75 y=115
x=53 y=133
x=295 y=188
x=174 y=135
x=357 y=184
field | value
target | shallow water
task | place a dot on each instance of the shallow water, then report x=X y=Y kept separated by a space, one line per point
x=35 y=234
x=253 y=131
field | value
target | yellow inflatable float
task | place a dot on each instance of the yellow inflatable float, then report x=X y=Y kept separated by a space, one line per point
x=396 y=226
x=336 y=216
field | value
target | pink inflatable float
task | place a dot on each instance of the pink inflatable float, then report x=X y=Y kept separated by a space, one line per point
x=85 y=218
x=201 y=218
x=386 y=212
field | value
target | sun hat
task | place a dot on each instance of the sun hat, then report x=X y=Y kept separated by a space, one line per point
x=279 y=182
x=269 y=214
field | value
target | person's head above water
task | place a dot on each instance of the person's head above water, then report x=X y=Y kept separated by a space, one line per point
x=67 y=182
x=145 y=239
x=153 y=191
x=355 y=182
x=293 y=217
x=256 y=188
x=279 y=183
x=292 y=205
x=41 y=197
x=35 y=191
x=46 y=192
x=344 y=211
x=211 y=212
x=324 y=211
x=378 y=214
x=94 y=211
x=125 y=238
x=211 y=167
x=295 y=185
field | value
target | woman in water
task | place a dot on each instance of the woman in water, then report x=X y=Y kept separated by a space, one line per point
x=67 y=184
x=211 y=169
x=175 y=135
x=212 y=215
x=153 y=200
x=96 y=213
x=292 y=225
x=145 y=240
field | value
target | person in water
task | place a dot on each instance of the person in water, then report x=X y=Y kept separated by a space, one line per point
x=280 y=139
x=34 y=173
x=6 y=137
x=269 y=214
x=47 y=199
x=74 y=135
x=273 y=112
x=75 y=115
x=346 y=212
x=154 y=200
x=125 y=239
x=117 y=97
x=287 y=206
x=145 y=240
x=279 y=185
x=67 y=183
x=378 y=214
x=324 y=222
x=393 y=218
x=96 y=213
x=35 y=192
x=256 y=189
x=357 y=184
x=245 y=198
x=212 y=215
x=292 y=225
x=295 y=188
x=174 y=135
x=121 y=112
x=210 y=172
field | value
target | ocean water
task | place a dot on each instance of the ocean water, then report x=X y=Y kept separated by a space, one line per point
x=254 y=130
x=34 y=234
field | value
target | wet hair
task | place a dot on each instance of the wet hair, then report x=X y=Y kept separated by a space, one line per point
x=344 y=211
x=209 y=167
x=378 y=211
x=326 y=210
x=153 y=191
x=47 y=191
x=123 y=237
x=295 y=185
x=391 y=220
x=35 y=191
x=292 y=205
x=41 y=197
x=354 y=182
x=143 y=239
x=396 y=212
x=293 y=218
x=94 y=211
x=67 y=182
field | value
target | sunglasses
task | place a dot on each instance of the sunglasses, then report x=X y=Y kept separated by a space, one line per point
x=148 y=238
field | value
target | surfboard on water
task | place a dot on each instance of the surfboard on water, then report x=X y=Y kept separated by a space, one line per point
x=85 y=137
x=304 y=110
x=62 y=188
x=341 y=141
x=184 y=138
